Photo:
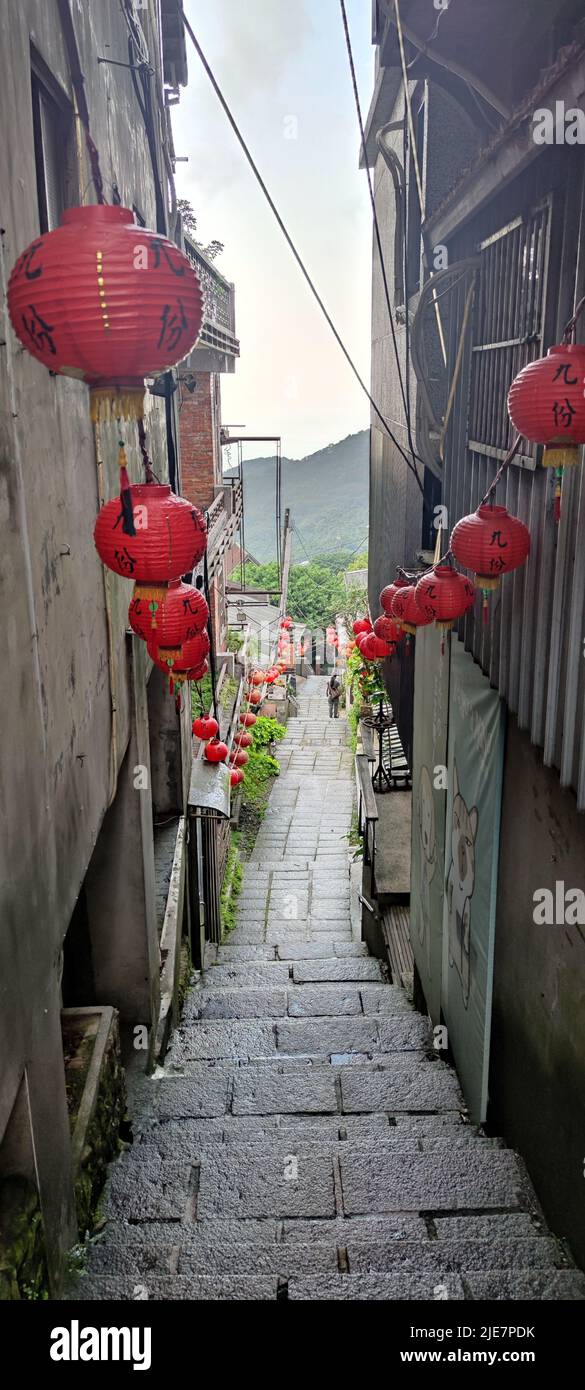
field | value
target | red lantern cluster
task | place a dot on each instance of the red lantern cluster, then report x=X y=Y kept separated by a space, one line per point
x=373 y=648
x=362 y=625
x=106 y=301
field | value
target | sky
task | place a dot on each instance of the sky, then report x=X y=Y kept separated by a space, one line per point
x=283 y=68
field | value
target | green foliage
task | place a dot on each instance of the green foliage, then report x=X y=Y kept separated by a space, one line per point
x=266 y=731
x=260 y=769
x=231 y=888
x=359 y=562
x=235 y=640
x=365 y=679
x=315 y=593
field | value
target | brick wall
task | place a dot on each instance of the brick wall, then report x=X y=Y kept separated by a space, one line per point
x=199 y=421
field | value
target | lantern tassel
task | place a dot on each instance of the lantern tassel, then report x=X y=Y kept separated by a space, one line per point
x=485 y=609
x=128 y=526
x=108 y=404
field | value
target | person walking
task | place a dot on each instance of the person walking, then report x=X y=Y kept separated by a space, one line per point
x=333 y=695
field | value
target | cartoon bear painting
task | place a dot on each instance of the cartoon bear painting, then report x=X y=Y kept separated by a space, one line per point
x=428 y=847
x=460 y=885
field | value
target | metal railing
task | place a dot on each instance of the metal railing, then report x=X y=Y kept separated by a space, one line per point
x=219 y=322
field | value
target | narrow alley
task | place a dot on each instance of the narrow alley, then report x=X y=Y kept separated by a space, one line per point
x=305 y=1141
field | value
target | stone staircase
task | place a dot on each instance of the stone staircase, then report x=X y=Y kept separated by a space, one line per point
x=304 y=1140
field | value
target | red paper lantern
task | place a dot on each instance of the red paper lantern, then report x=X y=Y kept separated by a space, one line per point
x=491 y=543
x=104 y=300
x=170 y=538
x=287 y=623
x=205 y=728
x=546 y=403
x=173 y=619
x=248 y=719
x=215 y=751
x=244 y=740
x=255 y=697
x=373 y=648
x=239 y=757
x=257 y=678
x=387 y=594
x=387 y=629
x=406 y=610
x=236 y=776
x=444 y=595
x=362 y=625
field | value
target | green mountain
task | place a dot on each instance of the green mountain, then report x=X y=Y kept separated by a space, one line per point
x=327 y=493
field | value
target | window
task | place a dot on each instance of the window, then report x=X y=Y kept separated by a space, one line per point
x=52 y=127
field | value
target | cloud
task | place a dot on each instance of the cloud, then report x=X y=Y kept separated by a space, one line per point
x=259 y=40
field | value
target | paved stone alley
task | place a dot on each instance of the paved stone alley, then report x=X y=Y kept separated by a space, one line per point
x=304 y=1140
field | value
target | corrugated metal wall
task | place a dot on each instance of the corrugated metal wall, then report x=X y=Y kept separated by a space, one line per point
x=531 y=241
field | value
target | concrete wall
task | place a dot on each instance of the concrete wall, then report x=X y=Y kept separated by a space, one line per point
x=537 y=1072
x=61 y=672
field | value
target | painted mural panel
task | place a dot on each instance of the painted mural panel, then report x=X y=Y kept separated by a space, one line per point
x=431 y=687
x=475 y=760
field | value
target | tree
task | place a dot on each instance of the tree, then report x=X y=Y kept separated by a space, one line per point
x=315 y=594
x=189 y=219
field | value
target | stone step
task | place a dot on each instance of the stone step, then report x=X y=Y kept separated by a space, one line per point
x=201 y=1254
x=525 y=1285
x=531 y=1285
x=346 y=1041
x=254 y=1181
x=270 y=993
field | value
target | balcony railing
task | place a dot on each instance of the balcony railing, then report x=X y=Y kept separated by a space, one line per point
x=218 y=330
x=223 y=521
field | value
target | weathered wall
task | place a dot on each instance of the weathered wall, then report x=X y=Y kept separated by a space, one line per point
x=57 y=685
x=200 y=450
x=537 y=1072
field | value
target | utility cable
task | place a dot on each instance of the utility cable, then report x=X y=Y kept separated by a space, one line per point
x=292 y=247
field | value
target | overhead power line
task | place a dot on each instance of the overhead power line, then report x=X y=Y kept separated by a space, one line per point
x=291 y=244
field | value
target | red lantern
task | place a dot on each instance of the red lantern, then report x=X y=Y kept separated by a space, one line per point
x=387 y=595
x=104 y=300
x=170 y=535
x=255 y=697
x=362 y=625
x=215 y=752
x=199 y=672
x=546 y=403
x=373 y=648
x=387 y=629
x=248 y=720
x=257 y=678
x=444 y=595
x=244 y=740
x=239 y=757
x=406 y=610
x=287 y=623
x=205 y=728
x=491 y=543
x=176 y=617
x=236 y=776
